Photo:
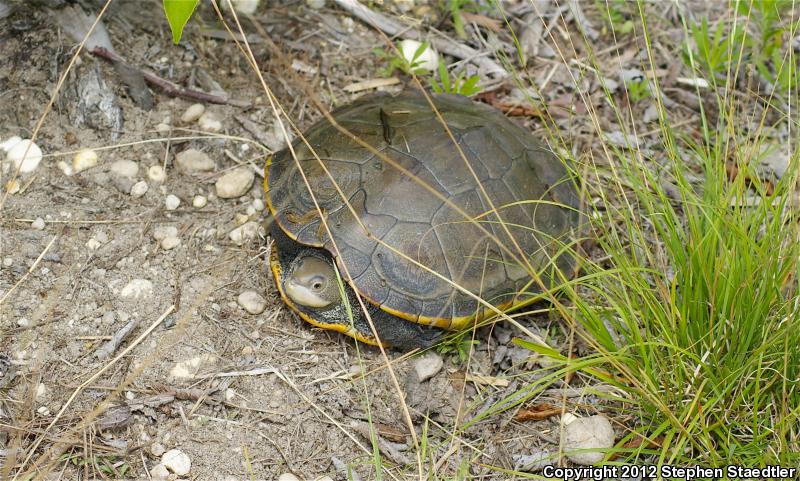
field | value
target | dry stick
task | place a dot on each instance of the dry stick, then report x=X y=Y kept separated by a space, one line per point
x=170 y=88
x=33 y=266
x=444 y=45
x=92 y=379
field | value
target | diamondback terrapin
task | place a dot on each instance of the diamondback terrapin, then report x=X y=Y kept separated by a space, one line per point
x=419 y=223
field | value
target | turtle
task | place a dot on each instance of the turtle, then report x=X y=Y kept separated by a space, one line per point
x=426 y=229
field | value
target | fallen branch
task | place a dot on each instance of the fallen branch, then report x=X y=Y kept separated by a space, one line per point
x=170 y=88
x=444 y=45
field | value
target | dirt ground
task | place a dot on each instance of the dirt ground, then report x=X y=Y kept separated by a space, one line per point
x=244 y=396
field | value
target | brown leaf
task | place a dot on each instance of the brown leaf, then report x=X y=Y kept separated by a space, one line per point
x=537 y=412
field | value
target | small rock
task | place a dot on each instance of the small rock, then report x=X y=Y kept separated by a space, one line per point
x=65 y=168
x=315 y=4
x=159 y=472
x=93 y=244
x=593 y=432
x=163 y=231
x=193 y=113
x=41 y=392
x=323 y=478
x=235 y=183
x=43 y=411
x=247 y=7
x=190 y=368
x=137 y=288
x=258 y=204
x=288 y=477
x=172 y=202
x=12 y=186
x=193 y=160
x=84 y=159
x=157 y=449
x=199 y=201
x=177 y=461
x=163 y=128
x=428 y=365
x=38 y=224
x=252 y=302
x=25 y=155
x=244 y=233
x=139 y=189
x=209 y=123
x=23 y=322
x=156 y=173
x=123 y=184
x=241 y=219
x=170 y=243
x=8 y=262
x=125 y=168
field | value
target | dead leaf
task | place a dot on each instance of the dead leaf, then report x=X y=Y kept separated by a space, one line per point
x=537 y=412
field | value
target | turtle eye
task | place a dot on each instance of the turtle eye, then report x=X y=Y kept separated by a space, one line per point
x=318 y=283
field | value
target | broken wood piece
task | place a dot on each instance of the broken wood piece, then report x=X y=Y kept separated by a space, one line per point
x=371 y=84
x=170 y=88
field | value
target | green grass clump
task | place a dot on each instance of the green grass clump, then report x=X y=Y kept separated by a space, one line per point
x=693 y=311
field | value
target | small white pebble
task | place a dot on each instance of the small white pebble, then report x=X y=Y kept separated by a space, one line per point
x=8 y=262
x=235 y=183
x=157 y=449
x=65 y=168
x=23 y=322
x=193 y=113
x=38 y=224
x=199 y=201
x=43 y=411
x=172 y=202
x=252 y=302
x=93 y=244
x=250 y=210
x=315 y=4
x=163 y=128
x=159 y=472
x=161 y=232
x=241 y=219
x=139 y=189
x=244 y=233
x=589 y=433
x=156 y=173
x=137 y=288
x=258 y=204
x=193 y=160
x=288 y=477
x=125 y=168
x=25 y=154
x=247 y=7
x=12 y=186
x=84 y=159
x=170 y=243
x=10 y=142
x=209 y=123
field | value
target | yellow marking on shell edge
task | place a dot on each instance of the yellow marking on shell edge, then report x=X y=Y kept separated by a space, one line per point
x=277 y=272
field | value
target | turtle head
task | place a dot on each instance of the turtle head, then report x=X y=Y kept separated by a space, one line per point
x=311 y=282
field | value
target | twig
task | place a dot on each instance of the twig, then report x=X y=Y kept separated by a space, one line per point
x=393 y=28
x=171 y=88
x=33 y=266
x=112 y=344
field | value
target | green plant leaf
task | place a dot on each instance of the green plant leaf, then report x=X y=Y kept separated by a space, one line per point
x=178 y=13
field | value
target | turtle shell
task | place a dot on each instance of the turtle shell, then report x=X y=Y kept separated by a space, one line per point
x=428 y=203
